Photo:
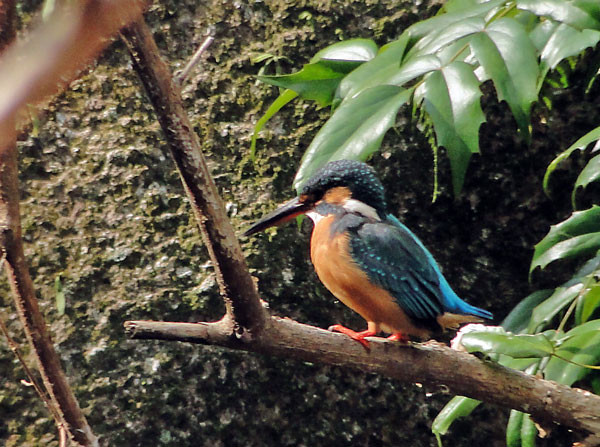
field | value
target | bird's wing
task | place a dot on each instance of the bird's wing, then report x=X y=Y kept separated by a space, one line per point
x=397 y=262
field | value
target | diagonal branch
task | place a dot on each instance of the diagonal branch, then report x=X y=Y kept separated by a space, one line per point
x=236 y=285
x=30 y=72
x=181 y=77
x=32 y=320
x=432 y=364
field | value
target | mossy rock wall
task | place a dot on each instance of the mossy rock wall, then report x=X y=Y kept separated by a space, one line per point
x=104 y=214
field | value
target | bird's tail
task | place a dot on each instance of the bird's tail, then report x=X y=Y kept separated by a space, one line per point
x=454 y=321
x=467 y=309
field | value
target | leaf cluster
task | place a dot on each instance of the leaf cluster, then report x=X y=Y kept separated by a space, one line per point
x=534 y=336
x=437 y=65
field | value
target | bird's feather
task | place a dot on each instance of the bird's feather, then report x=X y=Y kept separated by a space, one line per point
x=397 y=261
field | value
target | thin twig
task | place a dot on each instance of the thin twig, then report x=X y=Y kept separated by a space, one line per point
x=63 y=436
x=182 y=76
x=38 y=388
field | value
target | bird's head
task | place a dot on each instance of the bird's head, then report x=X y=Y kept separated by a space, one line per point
x=340 y=185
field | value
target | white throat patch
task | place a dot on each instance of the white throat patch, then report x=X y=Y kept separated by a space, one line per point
x=314 y=216
x=356 y=206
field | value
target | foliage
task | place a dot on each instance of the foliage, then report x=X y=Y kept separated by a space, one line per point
x=565 y=356
x=439 y=64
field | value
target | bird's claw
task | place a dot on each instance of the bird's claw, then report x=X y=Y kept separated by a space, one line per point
x=357 y=336
x=399 y=336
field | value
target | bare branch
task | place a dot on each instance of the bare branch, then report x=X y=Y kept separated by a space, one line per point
x=181 y=77
x=36 y=386
x=30 y=72
x=432 y=364
x=32 y=320
x=235 y=283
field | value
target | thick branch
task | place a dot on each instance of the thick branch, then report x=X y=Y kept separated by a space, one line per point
x=432 y=364
x=235 y=282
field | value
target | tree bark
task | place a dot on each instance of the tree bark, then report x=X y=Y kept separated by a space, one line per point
x=432 y=364
x=236 y=285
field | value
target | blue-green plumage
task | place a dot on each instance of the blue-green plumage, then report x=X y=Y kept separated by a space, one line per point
x=368 y=258
x=391 y=255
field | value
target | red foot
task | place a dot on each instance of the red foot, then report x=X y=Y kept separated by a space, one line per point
x=399 y=336
x=358 y=336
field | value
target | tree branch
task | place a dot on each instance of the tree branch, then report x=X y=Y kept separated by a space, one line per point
x=30 y=72
x=433 y=364
x=31 y=318
x=235 y=283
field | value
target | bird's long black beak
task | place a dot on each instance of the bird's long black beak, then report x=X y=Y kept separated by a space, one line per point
x=284 y=213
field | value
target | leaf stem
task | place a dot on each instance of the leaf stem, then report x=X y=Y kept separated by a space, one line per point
x=583 y=365
x=573 y=305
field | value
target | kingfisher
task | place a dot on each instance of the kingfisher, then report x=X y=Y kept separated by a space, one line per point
x=369 y=260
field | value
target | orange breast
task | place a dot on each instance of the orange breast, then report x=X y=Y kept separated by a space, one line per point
x=344 y=279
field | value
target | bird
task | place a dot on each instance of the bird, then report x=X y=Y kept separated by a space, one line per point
x=369 y=260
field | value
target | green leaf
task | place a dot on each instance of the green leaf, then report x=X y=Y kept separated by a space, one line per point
x=583 y=349
x=451 y=97
x=518 y=318
x=586 y=329
x=319 y=79
x=513 y=428
x=375 y=72
x=565 y=42
x=589 y=174
x=584 y=245
x=545 y=311
x=561 y=11
x=316 y=81
x=442 y=21
x=542 y=32
x=529 y=432
x=519 y=364
x=357 y=50
x=458 y=5
x=579 y=235
x=433 y=42
x=282 y=100
x=355 y=130
x=589 y=302
x=60 y=296
x=509 y=58
x=516 y=346
x=458 y=407
x=592 y=7
x=580 y=144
